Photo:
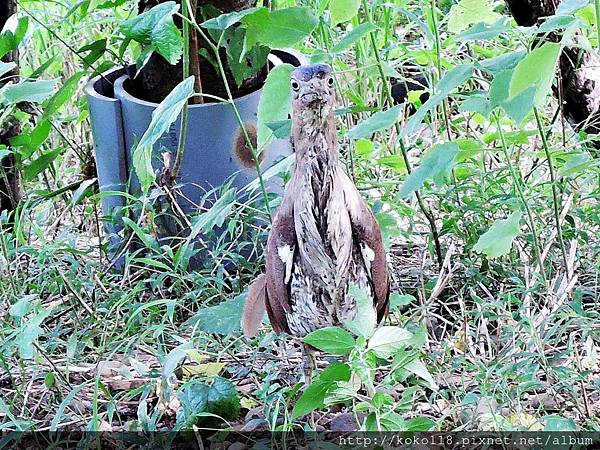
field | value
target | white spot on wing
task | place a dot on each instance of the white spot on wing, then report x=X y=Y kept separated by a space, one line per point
x=368 y=255
x=286 y=254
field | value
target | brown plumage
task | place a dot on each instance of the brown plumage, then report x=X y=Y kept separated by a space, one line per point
x=324 y=236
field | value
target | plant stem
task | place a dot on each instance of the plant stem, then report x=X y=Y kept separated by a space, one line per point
x=388 y=94
x=554 y=188
x=184 y=112
x=194 y=57
x=597 y=3
x=517 y=183
x=230 y=100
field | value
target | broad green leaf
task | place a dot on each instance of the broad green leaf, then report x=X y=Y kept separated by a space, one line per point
x=155 y=28
x=343 y=10
x=468 y=12
x=447 y=84
x=505 y=61
x=163 y=116
x=332 y=340
x=64 y=94
x=536 y=70
x=22 y=306
x=378 y=121
x=417 y=367
x=174 y=358
x=364 y=147
x=275 y=103
x=570 y=6
x=225 y=21
x=435 y=165
x=484 y=31
x=281 y=128
x=497 y=241
x=223 y=399
x=281 y=28
x=353 y=36
x=387 y=340
x=420 y=424
x=27 y=91
x=557 y=423
x=6 y=67
x=82 y=191
x=335 y=372
x=577 y=163
x=397 y=300
x=312 y=398
x=223 y=319
x=366 y=319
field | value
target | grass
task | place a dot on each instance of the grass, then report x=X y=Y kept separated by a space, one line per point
x=511 y=341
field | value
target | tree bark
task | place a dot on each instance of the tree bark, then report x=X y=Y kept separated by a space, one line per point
x=158 y=78
x=10 y=182
x=579 y=70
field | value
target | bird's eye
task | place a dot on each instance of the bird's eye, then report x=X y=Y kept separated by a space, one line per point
x=330 y=81
x=295 y=85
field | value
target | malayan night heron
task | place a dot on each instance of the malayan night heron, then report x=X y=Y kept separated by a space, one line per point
x=323 y=236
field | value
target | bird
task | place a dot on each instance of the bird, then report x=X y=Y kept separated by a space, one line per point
x=323 y=236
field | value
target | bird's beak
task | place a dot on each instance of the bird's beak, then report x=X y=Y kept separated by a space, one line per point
x=309 y=97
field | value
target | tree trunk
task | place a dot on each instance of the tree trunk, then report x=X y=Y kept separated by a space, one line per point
x=10 y=183
x=158 y=78
x=579 y=70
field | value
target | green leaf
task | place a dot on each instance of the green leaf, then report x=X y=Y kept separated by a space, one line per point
x=215 y=216
x=365 y=321
x=336 y=372
x=65 y=93
x=570 y=6
x=312 y=398
x=332 y=340
x=225 y=21
x=557 y=423
x=27 y=91
x=343 y=10
x=378 y=121
x=280 y=28
x=420 y=424
x=447 y=84
x=84 y=189
x=484 y=31
x=155 y=28
x=37 y=166
x=63 y=405
x=387 y=340
x=436 y=164
x=223 y=319
x=576 y=163
x=174 y=358
x=275 y=103
x=163 y=116
x=497 y=241
x=419 y=369
x=281 y=128
x=6 y=67
x=397 y=300
x=147 y=240
x=223 y=399
x=468 y=12
x=353 y=36
x=536 y=70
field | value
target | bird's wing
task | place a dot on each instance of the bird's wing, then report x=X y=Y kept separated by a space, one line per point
x=254 y=309
x=281 y=247
x=367 y=233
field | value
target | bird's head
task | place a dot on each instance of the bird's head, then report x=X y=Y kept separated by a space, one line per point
x=312 y=87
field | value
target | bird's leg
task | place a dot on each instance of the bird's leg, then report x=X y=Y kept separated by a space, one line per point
x=310 y=363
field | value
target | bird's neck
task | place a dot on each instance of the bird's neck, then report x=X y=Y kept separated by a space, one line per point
x=315 y=141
